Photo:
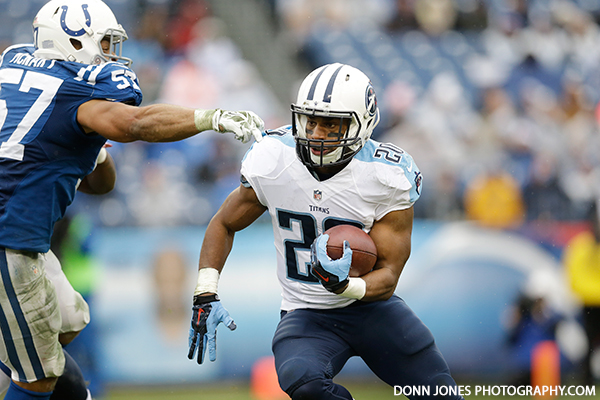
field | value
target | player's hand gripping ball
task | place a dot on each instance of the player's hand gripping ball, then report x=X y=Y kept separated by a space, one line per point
x=364 y=251
x=333 y=259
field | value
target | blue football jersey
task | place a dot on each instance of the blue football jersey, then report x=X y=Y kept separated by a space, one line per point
x=44 y=152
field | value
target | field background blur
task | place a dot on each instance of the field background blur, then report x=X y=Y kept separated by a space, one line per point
x=496 y=101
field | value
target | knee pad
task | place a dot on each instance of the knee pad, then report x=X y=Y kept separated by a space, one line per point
x=311 y=390
x=321 y=389
x=447 y=381
x=71 y=384
x=293 y=373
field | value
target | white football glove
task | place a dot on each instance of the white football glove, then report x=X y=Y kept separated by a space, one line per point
x=243 y=124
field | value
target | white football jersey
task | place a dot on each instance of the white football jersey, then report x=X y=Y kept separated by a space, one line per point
x=379 y=179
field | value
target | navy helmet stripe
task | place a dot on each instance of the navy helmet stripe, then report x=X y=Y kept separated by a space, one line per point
x=313 y=87
x=329 y=90
x=25 y=331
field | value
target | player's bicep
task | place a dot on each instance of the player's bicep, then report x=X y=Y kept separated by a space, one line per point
x=240 y=209
x=392 y=236
x=109 y=119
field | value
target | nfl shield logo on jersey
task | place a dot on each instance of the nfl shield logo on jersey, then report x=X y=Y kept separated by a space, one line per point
x=317 y=194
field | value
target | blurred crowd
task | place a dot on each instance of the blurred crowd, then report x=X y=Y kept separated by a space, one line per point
x=497 y=102
x=494 y=99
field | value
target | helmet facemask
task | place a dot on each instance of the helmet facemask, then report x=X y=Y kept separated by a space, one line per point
x=334 y=91
x=115 y=37
x=344 y=146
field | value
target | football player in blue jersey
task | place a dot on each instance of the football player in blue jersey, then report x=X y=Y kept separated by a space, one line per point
x=325 y=170
x=60 y=100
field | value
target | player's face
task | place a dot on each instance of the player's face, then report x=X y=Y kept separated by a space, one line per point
x=105 y=43
x=105 y=46
x=331 y=129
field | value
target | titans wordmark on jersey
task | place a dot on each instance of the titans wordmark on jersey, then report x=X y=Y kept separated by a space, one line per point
x=381 y=178
x=43 y=150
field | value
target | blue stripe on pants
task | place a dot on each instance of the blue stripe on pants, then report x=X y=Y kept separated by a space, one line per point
x=25 y=332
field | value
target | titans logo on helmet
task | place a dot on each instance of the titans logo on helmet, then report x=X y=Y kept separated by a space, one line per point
x=418 y=180
x=370 y=100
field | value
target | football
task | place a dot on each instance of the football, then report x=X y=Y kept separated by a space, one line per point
x=364 y=251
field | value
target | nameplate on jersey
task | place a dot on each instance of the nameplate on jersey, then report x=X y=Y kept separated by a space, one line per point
x=30 y=61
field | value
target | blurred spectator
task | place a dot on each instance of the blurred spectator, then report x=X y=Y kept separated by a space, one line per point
x=147 y=45
x=545 y=198
x=404 y=18
x=581 y=259
x=495 y=200
x=186 y=83
x=163 y=199
x=531 y=321
x=170 y=278
x=181 y=27
x=71 y=244
x=583 y=34
x=501 y=41
x=472 y=15
x=435 y=16
x=543 y=40
x=300 y=16
x=510 y=83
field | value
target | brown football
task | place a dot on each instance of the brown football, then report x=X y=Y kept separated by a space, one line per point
x=364 y=251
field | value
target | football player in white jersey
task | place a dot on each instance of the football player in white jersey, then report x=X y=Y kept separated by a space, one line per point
x=61 y=98
x=322 y=171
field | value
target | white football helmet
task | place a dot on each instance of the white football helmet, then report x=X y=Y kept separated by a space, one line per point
x=339 y=91
x=73 y=30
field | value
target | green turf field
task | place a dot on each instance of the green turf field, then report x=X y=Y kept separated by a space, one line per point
x=234 y=391
x=240 y=391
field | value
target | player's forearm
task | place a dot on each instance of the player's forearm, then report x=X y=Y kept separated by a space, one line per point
x=381 y=284
x=163 y=123
x=217 y=244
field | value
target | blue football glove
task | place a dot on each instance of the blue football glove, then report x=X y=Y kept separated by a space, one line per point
x=333 y=274
x=207 y=314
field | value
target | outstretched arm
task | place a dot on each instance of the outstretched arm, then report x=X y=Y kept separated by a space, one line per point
x=163 y=122
x=239 y=210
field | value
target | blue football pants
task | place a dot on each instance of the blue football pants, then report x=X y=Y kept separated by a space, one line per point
x=311 y=347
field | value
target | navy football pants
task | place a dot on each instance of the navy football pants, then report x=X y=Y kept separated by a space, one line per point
x=311 y=347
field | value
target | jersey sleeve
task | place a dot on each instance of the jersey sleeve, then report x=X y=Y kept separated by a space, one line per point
x=114 y=82
x=404 y=185
x=265 y=160
x=393 y=182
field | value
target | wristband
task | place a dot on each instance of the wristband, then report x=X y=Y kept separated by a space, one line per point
x=206 y=120
x=102 y=155
x=208 y=281
x=199 y=300
x=357 y=288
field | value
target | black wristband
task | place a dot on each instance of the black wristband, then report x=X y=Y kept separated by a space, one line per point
x=199 y=299
x=337 y=286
